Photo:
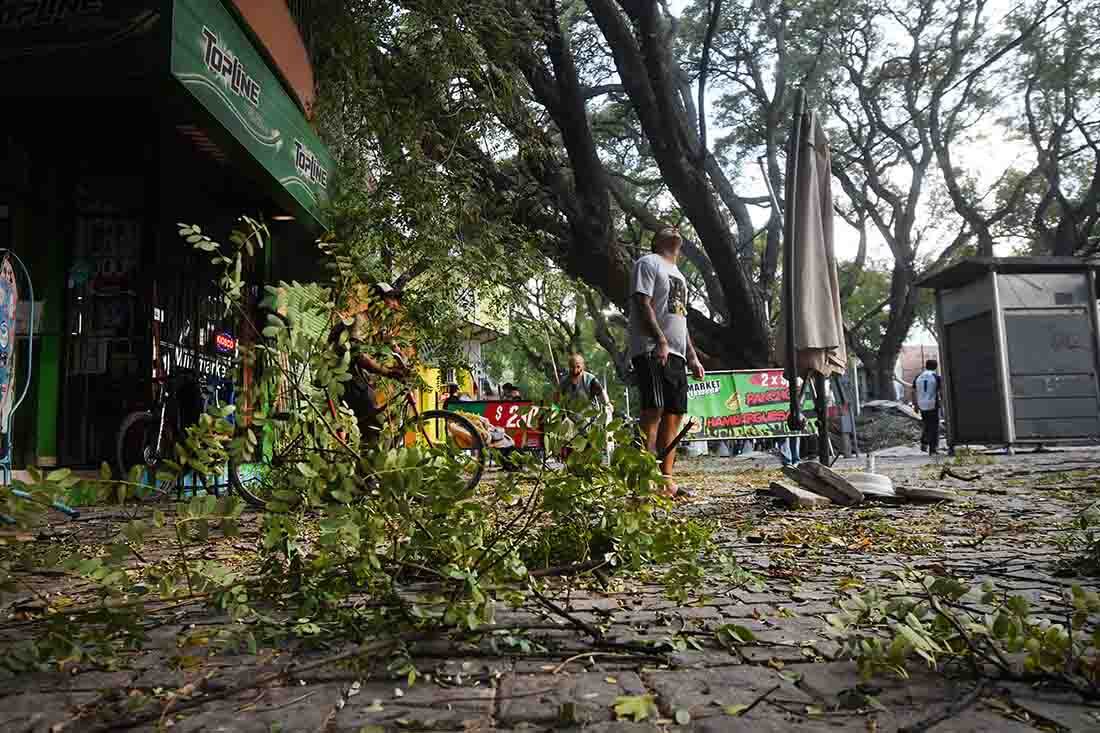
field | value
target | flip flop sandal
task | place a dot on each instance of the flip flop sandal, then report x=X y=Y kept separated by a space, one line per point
x=682 y=493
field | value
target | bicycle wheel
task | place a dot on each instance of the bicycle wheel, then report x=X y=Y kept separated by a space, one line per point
x=136 y=445
x=281 y=447
x=455 y=434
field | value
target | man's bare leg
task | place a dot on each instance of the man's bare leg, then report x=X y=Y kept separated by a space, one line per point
x=650 y=420
x=670 y=426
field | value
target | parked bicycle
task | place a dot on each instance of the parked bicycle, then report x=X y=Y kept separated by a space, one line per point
x=148 y=438
x=292 y=435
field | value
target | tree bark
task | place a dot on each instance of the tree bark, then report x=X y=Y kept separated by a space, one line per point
x=644 y=65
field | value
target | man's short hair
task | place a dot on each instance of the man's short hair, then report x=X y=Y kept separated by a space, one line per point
x=931 y=365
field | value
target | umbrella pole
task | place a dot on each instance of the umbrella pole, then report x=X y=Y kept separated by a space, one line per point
x=790 y=224
x=824 y=450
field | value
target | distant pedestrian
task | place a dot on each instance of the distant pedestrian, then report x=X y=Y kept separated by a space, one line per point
x=788 y=451
x=927 y=388
x=580 y=388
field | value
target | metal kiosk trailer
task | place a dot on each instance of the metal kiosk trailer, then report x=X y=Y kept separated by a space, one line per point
x=1019 y=350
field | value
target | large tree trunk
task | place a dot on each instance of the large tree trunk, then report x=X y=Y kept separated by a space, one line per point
x=884 y=376
x=643 y=60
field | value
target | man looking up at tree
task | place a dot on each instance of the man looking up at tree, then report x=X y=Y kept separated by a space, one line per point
x=660 y=347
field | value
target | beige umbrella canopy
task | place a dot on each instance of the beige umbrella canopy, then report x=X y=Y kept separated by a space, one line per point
x=811 y=280
x=810 y=341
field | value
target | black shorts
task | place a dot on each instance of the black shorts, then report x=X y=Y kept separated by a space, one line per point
x=662 y=387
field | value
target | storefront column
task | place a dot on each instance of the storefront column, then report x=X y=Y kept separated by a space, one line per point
x=50 y=282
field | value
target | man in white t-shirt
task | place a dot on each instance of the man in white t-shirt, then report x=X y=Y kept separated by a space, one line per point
x=926 y=398
x=660 y=347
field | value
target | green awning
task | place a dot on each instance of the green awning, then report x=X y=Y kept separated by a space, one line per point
x=219 y=65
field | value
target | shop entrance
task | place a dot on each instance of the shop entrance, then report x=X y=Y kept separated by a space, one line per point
x=106 y=324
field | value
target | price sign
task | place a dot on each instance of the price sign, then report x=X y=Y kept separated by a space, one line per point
x=772 y=379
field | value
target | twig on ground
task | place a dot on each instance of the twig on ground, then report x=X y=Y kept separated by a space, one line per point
x=584 y=626
x=589 y=655
x=948 y=472
x=252 y=705
x=761 y=698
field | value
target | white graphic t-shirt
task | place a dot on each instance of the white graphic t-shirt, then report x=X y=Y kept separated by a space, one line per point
x=665 y=284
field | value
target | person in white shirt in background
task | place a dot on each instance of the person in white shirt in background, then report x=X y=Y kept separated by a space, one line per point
x=926 y=398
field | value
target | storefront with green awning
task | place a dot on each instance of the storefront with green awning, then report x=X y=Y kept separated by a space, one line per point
x=120 y=120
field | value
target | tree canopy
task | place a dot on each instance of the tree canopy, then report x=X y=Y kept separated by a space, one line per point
x=493 y=141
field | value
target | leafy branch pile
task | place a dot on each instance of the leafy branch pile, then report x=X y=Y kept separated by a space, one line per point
x=1081 y=545
x=951 y=625
x=387 y=543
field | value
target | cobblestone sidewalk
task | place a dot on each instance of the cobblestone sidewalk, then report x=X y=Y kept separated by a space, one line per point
x=787 y=679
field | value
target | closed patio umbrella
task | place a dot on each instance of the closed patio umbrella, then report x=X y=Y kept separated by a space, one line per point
x=811 y=342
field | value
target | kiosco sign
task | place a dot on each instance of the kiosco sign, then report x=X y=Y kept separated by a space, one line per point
x=744 y=404
x=217 y=63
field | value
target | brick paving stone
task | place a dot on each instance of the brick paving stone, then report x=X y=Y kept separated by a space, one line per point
x=980 y=721
x=91 y=681
x=599 y=665
x=590 y=604
x=765 y=654
x=295 y=708
x=637 y=617
x=746 y=610
x=165 y=676
x=615 y=726
x=39 y=712
x=540 y=699
x=752 y=599
x=909 y=701
x=703 y=658
x=467 y=668
x=766 y=720
x=703 y=693
x=700 y=612
x=812 y=608
x=1066 y=709
x=421 y=707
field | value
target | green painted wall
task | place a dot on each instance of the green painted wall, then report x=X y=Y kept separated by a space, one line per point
x=49 y=284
